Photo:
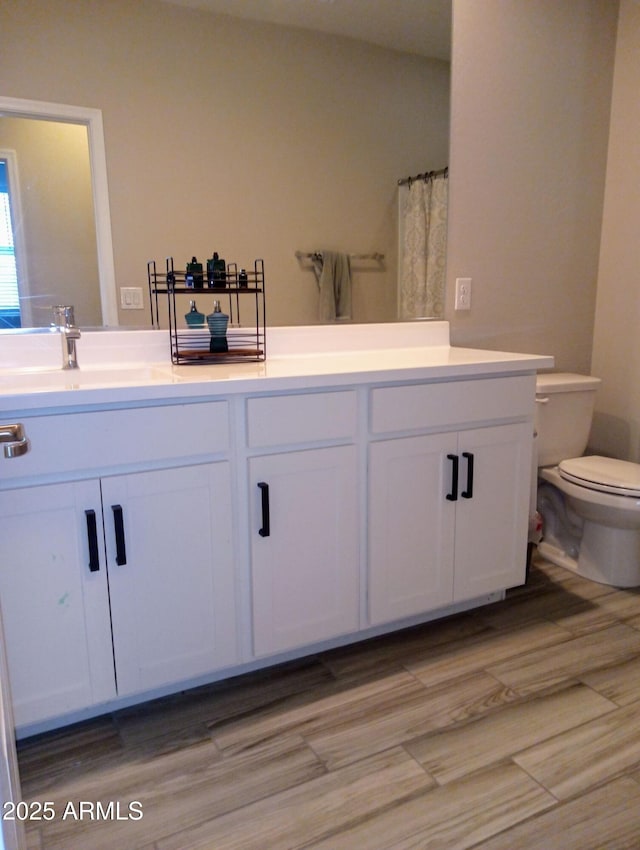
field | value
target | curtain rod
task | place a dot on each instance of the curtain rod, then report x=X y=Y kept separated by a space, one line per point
x=317 y=255
x=443 y=172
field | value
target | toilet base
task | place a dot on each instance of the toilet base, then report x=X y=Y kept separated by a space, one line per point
x=609 y=556
x=594 y=534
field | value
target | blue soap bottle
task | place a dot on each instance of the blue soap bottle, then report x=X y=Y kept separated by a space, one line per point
x=194 y=318
x=218 y=322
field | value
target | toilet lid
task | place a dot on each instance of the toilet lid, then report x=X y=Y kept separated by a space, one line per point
x=605 y=474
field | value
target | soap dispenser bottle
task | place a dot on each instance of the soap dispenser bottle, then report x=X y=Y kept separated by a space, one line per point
x=194 y=318
x=218 y=322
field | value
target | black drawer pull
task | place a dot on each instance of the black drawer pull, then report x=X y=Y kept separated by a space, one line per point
x=468 y=493
x=121 y=549
x=453 y=495
x=92 y=536
x=265 y=531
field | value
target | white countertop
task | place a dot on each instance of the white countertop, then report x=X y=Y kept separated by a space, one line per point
x=127 y=367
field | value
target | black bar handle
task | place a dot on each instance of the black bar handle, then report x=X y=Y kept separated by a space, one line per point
x=265 y=531
x=468 y=493
x=121 y=549
x=92 y=535
x=453 y=495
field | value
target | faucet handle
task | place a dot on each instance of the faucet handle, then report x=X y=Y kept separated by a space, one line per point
x=63 y=316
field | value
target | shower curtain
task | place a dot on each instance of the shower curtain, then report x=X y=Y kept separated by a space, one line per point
x=423 y=243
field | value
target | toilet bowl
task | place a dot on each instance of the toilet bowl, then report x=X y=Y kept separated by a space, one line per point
x=590 y=506
x=607 y=548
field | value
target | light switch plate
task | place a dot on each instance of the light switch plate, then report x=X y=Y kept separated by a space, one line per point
x=131 y=298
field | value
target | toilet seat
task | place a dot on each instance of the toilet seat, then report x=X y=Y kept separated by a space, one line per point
x=604 y=474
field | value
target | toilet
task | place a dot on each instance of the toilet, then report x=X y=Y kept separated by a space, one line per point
x=590 y=506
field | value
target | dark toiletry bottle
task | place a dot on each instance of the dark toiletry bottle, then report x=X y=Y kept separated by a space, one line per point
x=221 y=270
x=216 y=271
x=243 y=279
x=194 y=270
x=211 y=271
x=194 y=318
x=218 y=322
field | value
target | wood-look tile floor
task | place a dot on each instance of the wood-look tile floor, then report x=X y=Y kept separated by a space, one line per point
x=513 y=726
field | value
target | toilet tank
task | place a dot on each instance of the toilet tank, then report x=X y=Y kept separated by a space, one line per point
x=564 y=409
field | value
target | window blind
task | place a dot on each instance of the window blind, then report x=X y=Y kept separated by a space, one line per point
x=8 y=273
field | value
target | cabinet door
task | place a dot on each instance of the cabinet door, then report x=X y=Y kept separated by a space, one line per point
x=491 y=526
x=305 y=570
x=411 y=526
x=171 y=583
x=55 y=609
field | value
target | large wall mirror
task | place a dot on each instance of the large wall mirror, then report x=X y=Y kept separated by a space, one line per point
x=301 y=140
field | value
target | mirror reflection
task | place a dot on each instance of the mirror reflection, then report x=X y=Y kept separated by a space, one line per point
x=48 y=250
x=277 y=142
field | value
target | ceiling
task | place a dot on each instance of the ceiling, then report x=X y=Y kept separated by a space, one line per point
x=413 y=26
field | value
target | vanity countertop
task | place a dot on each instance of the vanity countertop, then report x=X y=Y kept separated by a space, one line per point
x=130 y=367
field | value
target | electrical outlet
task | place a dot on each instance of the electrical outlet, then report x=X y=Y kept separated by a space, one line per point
x=131 y=298
x=463 y=293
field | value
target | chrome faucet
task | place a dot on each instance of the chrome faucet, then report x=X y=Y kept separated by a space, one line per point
x=65 y=324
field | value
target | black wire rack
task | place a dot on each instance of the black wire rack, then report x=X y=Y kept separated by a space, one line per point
x=169 y=295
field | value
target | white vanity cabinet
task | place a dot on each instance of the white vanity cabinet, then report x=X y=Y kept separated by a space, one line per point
x=219 y=518
x=116 y=585
x=303 y=519
x=448 y=509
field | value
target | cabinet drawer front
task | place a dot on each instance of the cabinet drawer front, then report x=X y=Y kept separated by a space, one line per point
x=451 y=403
x=75 y=442
x=282 y=420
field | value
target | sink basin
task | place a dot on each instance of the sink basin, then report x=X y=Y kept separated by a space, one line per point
x=44 y=380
